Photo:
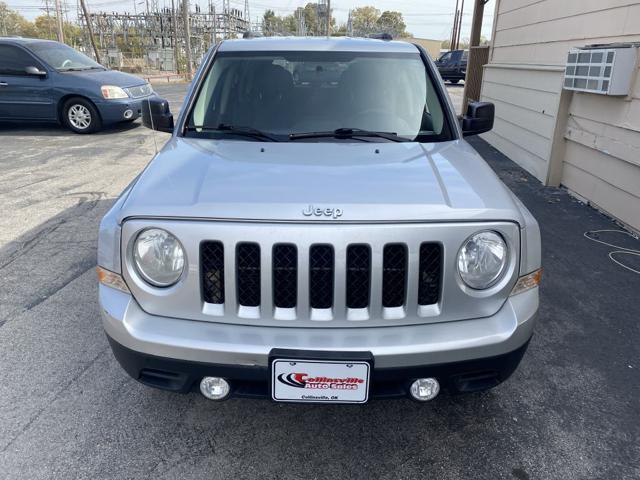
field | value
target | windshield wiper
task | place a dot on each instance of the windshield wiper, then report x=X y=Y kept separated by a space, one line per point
x=349 y=133
x=235 y=130
x=78 y=69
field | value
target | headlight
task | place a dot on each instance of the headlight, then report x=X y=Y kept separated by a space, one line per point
x=482 y=259
x=158 y=257
x=111 y=92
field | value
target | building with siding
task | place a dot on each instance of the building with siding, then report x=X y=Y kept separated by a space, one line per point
x=588 y=142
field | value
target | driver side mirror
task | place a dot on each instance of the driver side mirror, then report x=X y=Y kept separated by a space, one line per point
x=156 y=114
x=31 y=70
x=479 y=118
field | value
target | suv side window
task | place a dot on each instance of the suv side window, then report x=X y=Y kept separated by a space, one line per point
x=446 y=57
x=465 y=55
x=14 y=61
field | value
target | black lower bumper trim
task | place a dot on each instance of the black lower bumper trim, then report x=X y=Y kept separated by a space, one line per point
x=252 y=382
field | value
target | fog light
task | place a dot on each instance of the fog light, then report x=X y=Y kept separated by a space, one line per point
x=214 y=388
x=425 y=389
x=128 y=114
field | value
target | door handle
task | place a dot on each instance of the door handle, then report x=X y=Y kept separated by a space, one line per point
x=4 y=84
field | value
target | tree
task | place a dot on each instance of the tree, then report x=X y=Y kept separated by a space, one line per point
x=12 y=23
x=368 y=20
x=392 y=23
x=46 y=26
x=273 y=24
x=363 y=21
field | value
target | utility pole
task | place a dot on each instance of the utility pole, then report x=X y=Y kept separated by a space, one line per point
x=328 y=18
x=174 y=21
x=459 y=25
x=215 y=25
x=455 y=26
x=187 y=37
x=477 y=58
x=476 y=23
x=59 y=22
x=46 y=6
x=87 y=20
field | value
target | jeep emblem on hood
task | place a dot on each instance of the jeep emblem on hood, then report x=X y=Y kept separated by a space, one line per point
x=322 y=212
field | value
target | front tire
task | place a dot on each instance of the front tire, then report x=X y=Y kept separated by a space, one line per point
x=80 y=116
x=454 y=80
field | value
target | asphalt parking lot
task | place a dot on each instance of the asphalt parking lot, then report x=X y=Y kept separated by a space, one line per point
x=67 y=409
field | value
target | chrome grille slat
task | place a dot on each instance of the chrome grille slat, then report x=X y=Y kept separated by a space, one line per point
x=358 y=276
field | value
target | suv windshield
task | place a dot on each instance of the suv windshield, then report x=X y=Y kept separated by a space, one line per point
x=63 y=58
x=285 y=94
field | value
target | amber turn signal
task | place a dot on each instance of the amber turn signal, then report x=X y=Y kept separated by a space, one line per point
x=527 y=282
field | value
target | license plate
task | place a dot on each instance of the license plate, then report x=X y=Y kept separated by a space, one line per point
x=319 y=381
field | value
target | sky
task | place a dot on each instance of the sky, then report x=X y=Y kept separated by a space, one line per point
x=424 y=19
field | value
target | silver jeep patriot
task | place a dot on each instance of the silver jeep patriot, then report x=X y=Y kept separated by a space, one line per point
x=318 y=230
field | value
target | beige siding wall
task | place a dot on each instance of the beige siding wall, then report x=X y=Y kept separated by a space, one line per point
x=526 y=100
x=602 y=152
x=591 y=143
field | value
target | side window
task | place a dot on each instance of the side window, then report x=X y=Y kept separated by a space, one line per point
x=465 y=55
x=14 y=60
x=456 y=56
x=446 y=57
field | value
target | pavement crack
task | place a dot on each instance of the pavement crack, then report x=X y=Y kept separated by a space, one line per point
x=64 y=388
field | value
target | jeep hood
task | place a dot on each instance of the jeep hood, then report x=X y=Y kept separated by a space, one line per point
x=246 y=180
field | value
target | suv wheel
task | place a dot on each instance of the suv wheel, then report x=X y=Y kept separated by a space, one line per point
x=80 y=116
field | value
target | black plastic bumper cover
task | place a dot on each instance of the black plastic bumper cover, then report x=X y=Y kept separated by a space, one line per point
x=253 y=382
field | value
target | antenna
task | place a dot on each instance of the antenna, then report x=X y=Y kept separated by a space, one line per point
x=153 y=129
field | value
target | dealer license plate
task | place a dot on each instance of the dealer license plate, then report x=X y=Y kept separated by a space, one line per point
x=319 y=381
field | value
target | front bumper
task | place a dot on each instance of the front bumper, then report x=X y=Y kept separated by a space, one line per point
x=174 y=354
x=112 y=111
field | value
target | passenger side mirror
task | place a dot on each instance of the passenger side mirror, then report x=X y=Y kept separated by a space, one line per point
x=156 y=114
x=479 y=118
x=35 y=71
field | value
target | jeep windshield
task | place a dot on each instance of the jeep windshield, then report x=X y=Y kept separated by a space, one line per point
x=318 y=97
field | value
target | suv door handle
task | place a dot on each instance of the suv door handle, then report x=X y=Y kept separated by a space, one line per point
x=4 y=84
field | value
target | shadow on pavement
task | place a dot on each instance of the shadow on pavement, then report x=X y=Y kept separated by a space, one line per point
x=52 y=129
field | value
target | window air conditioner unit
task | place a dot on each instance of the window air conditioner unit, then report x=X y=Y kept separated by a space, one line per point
x=603 y=69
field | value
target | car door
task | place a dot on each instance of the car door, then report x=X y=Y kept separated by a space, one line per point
x=454 y=63
x=24 y=96
x=444 y=64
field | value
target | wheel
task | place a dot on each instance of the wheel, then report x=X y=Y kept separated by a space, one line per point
x=80 y=116
x=454 y=80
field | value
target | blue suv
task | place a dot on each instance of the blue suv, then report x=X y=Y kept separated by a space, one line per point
x=49 y=81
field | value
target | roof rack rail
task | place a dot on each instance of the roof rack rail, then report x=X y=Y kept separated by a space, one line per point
x=381 y=36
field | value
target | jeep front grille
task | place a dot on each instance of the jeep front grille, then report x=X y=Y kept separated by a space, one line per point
x=319 y=275
x=320 y=265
